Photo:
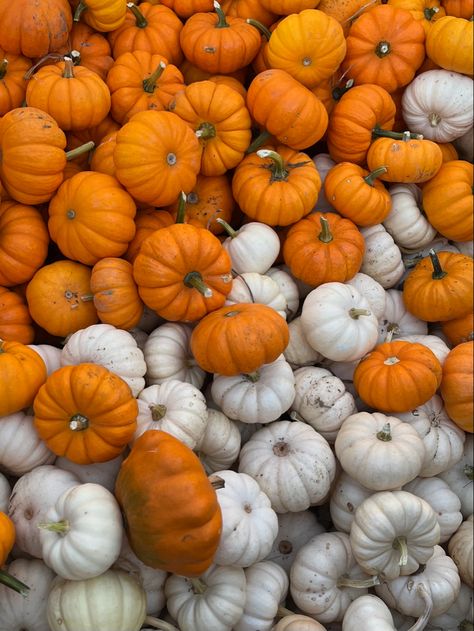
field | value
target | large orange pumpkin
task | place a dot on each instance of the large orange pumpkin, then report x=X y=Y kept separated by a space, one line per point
x=22 y=372
x=172 y=516
x=15 y=320
x=457 y=385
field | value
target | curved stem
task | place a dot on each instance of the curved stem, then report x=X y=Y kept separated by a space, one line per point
x=373 y=175
x=422 y=621
x=78 y=151
x=140 y=20
x=355 y=15
x=221 y=21
x=325 y=235
x=194 y=280
x=266 y=32
x=227 y=227
x=356 y=313
x=216 y=482
x=295 y=416
x=13 y=583
x=378 y=132
x=438 y=272
x=277 y=167
x=81 y=7
x=158 y=623
x=61 y=527
x=385 y=434
x=361 y=583
x=149 y=84
x=260 y=140
x=400 y=544
x=180 y=213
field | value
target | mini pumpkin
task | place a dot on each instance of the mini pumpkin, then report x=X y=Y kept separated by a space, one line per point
x=89 y=48
x=449 y=44
x=457 y=385
x=22 y=372
x=12 y=80
x=147 y=220
x=101 y=15
x=15 y=320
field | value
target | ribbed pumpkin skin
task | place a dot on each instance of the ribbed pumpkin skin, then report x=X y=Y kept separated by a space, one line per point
x=172 y=515
x=22 y=372
x=457 y=385
x=15 y=320
x=7 y=537
x=449 y=44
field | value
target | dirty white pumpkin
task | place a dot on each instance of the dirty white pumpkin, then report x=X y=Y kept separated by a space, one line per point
x=299 y=351
x=460 y=477
x=372 y=290
x=382 y=258
x=346 y=495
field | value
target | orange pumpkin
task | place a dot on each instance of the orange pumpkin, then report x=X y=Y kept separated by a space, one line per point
x=7 y=537
x=12 y=80
x=24 y=242
x=460 y=329
x=59 y=298
x=346 y=11
x=85 y=413
x=22 y=372
x=182 y=272
x=173 y=519
x=457 y=385
x=147 y=221
x=102 y=159
x=397 y=376
x=15 y=320
x=78 y=138
x=239 y=338
x=425 y=11
x=254 y=9
x=89 y=48
x=323 y=248
x=459 y=8
x=440 y=287
x=186 y=8
x=101 y=15
x=449 y=44
x=232 y=82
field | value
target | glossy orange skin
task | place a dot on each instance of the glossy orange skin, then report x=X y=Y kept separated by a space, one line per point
x=147 y=221
x=22 y=372
x=365 y=62
x=286 y=109
x=354 y=117
x=459 y=329
x=15 y=320
x=239 y=338
x=93 y=47
x=32 y=159
x=448 y=200
x=410 y=160
x=397 y=376
x=59 y=298
x=450 y=44
x=104 y=15
x=440 y=299
x=164 y=260
x=7 y=537
x=12 y=81
x=24 y=241
x=173 y=519
x=457 y=385
x=97 y=394
x=316 y=262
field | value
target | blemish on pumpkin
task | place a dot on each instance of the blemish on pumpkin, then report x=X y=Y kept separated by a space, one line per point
x=209 y=49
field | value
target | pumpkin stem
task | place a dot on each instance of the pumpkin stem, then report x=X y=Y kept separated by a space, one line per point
x=158 y=623
x=252 y=376
x=373 y=175
x=277 y=166
x=338 y=92
x=205 y=131
x=422 y=621
x=78 y=422
x=157 y=411
x=140 y=20
x=438 y=272
x=221 y=21
x=194 y=280
x=266 y=32
x=78 y=151
x=382 y=49
x=400 y=544
x=13 y=583
x=3 y=68
x=81 y=7
x=181 y=208
x=430 y=13
x=391 y=361
x=469 y=472
x=434 y=119
x=260 y=140
x=295 y=416
x=62 y=527
x=149 y=84
x=356 y=313
x=325 y=235
x=345 y=581
x=216 y=482
x=68 y=68
x=228 y=228
x=385 y=434
x=378 y=132
x=199 y=586
x=283 y=611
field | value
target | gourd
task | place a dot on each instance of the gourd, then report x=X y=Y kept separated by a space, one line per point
x=219 y=446
x=460 y=548
x=460 y=476
x=21 y=449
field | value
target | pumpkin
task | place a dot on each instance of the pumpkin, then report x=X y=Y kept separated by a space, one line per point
x=147 y=220
x=345 y=12
x=460 y=549
x=382 y=258
x=172 y=487
x=101 y=15
x=85 y=413
x=457 y=385
x=397 y=376
x=448 y=200
x=323 y=247
x=286 y=108
x=15 y=320
x=219 y=446
x=425 y=11
x=217 y=43
x=22 y=450
x=230 y=81
x=440 y=287
x=449 y=44
x=12 y=81
x=115 y=293
x=276 y=187
x=459 y=329
x=76 y=139
x=246 y=334
x=251 y=287
x=458 y=8
x=156 y=157
x=59 y=297
x=254 y=247
x=185 y=8
x=267 y=586
x=89 y=48
x=182 y=272
x=308 y=44
x=218 y=116
x=385 y=46
x=23 y=367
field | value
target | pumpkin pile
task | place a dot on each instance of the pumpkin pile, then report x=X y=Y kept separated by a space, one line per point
x=236 y=315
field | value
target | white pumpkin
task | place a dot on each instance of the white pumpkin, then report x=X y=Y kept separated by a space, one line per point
x=173 y=406
x=369 y=613
x=4 y=493
x=21 y=448
x=108 y=346
x=346 y=495
x=51 y=355
x=31 y=497
x=433 y=342
x=267 y=587
x=380 y=452
x=461 y=549
x=439 y=105
x=114 y=600
x=28 y=612
x=382 y=258
x=294 y=530
x=103 y=473
x=338 y=323
x=460 y=476
x=252 y=248
x=168 y=355
x=321 y=400
x=458 y=616
x=299 y=352
x=292 y=463
x=325 y=578
x=443 y=439
x=81 y=535
x=219 y=446
x=372 y=290
x=397 y=320
x=298 y=622
x=288 y=288
x=214 y=601
x=259 y=397
x=393 y=532
x=259 y=288
x=445 y=503
x=323 y=163
x=406 y=221
x=249 y=523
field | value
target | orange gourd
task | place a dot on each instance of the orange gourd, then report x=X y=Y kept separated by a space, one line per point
x=459 y=8
x=101 y=15
x=186 y=8
x=22 y=372
x=15 y=320
x=449 y=44
x=147 y=221
x=425 y=11
x=12 y=80
x=89 y=48
x=459 y=330
x=346 y=11
x=457 y=389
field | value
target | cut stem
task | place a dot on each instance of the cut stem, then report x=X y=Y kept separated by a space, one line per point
x=400 y=544
x=325 y=235
x=227 y=227
x=383 y=48
x=140 y=20
x=356 y=313
x=199 y=586
x=194 y=280
x=373 y=175
x=181 y=212
x=438 y=272
x=385 y=434
x=62 y=527
x=78 y=151
x=149 y=84
x=221 y=21
x=81 y=7
x=345 y=581
x=68 y=68
x=216 y=482
x=422 y=621
x=13 y=583
x=266 y=32
x=277 y=166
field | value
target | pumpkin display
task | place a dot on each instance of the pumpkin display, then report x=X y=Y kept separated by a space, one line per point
x=457 y=385
x=22 y=366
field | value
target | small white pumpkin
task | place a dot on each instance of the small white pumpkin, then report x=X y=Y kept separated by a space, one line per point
x=299 y=352
x=219 y=446
x=4 y=493
x=103 y=473
x=321 y=400
x=108 y=346
x=292 y=463
x=298 y=622
x=338 y=323
x=21 y=448
x=406 y=222
x=288 y=288
x=372 y=290
x=381 y=452
x=369 y=613
x=460 y=477
x=173 y=406
x=393 y=532
x=461 y=549
x=168 y=355
x=258 y=397
x=252 y=248
x=81 y=535
x=346 y=495
x=51 y=355
x=458 y=616
x=249 y=523
x=259 y=288
x=397 y=320
x=382 y=258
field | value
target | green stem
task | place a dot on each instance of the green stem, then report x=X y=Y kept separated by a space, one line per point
x=81 y=7
x=337 y=93
x=400 y=544
x=158 y=623
x=199 y=586
x=385 y=434
x=61 y=527
x=3 y=68
x=422 y=621
x=13 y=583
x=438 y=272
x=221 y=21
x=68 y=68
x=345 y=581
x=194 y=280
x=228 y=228
x=430 y=13
x=78 y=151
x=277 y=167
x=373 y=175
x=149 y=84
x=325 y=235
x=140 y=20
x=469 y=472
x=378 y=132
x=356 y=313
x=181 y=208
x=260 y=140
x=253 y=377
x=266 y=32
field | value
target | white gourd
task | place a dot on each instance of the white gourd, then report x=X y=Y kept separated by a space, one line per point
x=406 y=222
x=51 y=355
x=298 y=622
x=258 y=288
x=103 y=473
x=4 y=493
x=288 y=288
x=21 y=448
x=458 y=616
x=252 y=248
x=460 y=477
x=299 y=352
x=346 y=495
x=219 y=446
x=397 y=320
x=461 y=549
x=382 y=258
x=372 y=290
x=369 y=613
x=433 y=342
